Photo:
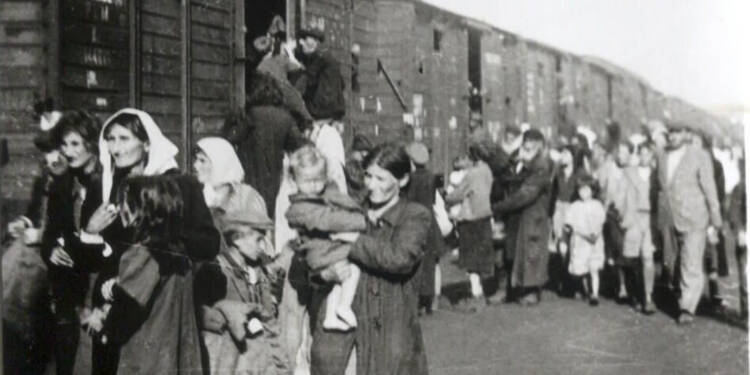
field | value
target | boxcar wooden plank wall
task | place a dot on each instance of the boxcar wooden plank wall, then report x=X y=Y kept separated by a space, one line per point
x=23 y=66
x=161 y=64
x=541 y=89
x=363 y=71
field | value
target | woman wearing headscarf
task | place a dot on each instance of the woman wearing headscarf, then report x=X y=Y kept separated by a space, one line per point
x=218 y=168
x=131 y=144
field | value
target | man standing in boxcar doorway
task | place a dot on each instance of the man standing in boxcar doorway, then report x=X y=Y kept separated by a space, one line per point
x=322 y=87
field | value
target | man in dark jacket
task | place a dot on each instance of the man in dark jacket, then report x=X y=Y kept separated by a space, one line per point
x=526 y=211
x=321 y=84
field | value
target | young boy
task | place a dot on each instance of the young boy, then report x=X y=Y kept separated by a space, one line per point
x=636 y=221
x=317 y=211
x=239 y=309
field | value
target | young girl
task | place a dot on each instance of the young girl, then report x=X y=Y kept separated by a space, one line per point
x=319 y=211
x=152 y=315
x=584 y=222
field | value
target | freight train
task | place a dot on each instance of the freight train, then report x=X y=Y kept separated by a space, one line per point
x=412 y=71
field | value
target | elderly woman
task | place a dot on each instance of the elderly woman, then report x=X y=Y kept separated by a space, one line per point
x=131 y=144
x=389 y=254
x=217 y=167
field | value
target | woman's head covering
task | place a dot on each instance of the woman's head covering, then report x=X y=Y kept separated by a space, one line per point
x=161 y=151
x=226 y=166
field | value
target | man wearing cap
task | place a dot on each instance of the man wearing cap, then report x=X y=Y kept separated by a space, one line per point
x=323 y=84
x=691 y=214
x=422 y=190
x=322 y=87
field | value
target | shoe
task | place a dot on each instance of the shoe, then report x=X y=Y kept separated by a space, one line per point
x=594 y=302
x=530 y=299
x=472 y=305
x=685 y=318
x=497 y=298
x=648 y=308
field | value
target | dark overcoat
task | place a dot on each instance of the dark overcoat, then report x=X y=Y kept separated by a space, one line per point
x=261 y=141
x=526 y=213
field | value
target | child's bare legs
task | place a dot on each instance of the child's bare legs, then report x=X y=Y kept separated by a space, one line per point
x=438 y=287
x=348 y=290
x=623 y=292
x=333 y=300
x=648 y=281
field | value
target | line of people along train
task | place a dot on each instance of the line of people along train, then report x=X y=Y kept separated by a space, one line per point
x=277 y=254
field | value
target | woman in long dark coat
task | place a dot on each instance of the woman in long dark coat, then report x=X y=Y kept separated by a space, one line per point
x=262 y=135
x=131 y=144
x=388 y=336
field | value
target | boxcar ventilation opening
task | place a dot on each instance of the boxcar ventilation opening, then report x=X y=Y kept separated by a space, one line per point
x=475 y=70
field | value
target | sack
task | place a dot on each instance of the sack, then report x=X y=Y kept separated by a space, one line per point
x=441 y=215
x=25 y=284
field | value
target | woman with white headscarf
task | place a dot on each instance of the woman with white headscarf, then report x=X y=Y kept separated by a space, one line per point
x=131 y=144
x=217 y=167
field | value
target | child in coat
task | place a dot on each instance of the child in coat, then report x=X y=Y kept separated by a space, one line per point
x=317 y=211
x=584 y=222
x=239 y=308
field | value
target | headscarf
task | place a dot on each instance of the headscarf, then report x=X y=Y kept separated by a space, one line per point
x=161 y=152
x=225 y=166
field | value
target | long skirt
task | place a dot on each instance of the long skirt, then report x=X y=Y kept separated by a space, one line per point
x=476 y=254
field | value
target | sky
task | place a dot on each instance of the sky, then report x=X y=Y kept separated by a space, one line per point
x=696 y=50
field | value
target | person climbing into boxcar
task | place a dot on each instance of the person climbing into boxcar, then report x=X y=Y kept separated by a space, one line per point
x=388 y=336
x=526 y=209
x=261 y=135
x=27 y=316
x=321 y=83
x=277 y=61
x=131 y=144
x=422 y=190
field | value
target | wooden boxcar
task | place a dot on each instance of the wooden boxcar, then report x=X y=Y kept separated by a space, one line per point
x=410 y=69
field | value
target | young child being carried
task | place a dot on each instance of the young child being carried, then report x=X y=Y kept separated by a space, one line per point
x=584 y=222
x=318 y=210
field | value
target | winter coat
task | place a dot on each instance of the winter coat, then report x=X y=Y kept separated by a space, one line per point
x=386 y=302
x=421 y=190
x=228 y=300
x=323 y=89
x=317 y=217
x=152 y=318
x=261 y=143
x=526 y=214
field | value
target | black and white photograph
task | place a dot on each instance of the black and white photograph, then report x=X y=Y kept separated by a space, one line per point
x=493 y=187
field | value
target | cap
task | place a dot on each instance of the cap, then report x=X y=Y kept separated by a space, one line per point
x=314 y=33
x=254 y=218
x=418 y=153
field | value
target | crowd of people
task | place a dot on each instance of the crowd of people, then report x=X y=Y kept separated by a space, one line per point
x=277 y=254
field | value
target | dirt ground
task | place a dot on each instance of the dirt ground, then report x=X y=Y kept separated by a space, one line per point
x=567 y=336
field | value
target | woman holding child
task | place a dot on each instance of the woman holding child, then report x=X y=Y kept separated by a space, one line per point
x=388 y=253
